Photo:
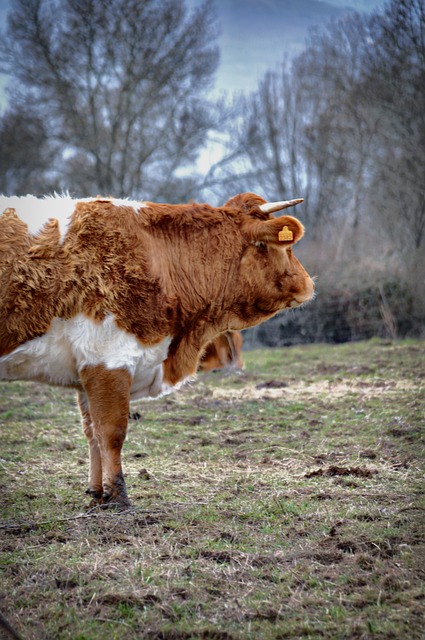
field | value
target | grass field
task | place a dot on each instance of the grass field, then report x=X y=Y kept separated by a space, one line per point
x=283 y=502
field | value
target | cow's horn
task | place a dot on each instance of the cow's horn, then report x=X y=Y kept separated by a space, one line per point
x=271 y=207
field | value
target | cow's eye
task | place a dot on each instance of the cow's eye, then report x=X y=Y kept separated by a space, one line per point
x=262 y=246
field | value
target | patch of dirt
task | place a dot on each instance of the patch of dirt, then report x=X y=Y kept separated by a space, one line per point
x=359 y=369
x=148 y=598
x=218 y=556
x=324 y=368
x=195 y=420
x=369 y=454
x=66 y=583
x=278 y=389
x=272 y=384
x=264 y=614
x=336 y=470
x=144 y=474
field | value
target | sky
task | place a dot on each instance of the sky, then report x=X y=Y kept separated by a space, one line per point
x=256 y=35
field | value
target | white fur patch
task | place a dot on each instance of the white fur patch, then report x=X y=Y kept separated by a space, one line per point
x=35 y=212
x=58 y=356
x=128 y=203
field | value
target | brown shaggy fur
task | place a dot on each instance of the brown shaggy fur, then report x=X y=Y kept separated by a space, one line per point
x=167 y=270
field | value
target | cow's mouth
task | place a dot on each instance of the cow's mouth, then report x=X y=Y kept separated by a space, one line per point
x=307 y=295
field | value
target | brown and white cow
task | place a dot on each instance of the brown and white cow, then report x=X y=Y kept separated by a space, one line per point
x=119 y=298
x=224 y=352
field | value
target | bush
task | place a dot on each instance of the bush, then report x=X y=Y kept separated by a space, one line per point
x=385 y=311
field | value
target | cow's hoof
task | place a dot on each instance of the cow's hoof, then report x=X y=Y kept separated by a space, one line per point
x=120 y=502
x=96 y=494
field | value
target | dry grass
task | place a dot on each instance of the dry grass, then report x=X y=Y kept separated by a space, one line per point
x=286 y=502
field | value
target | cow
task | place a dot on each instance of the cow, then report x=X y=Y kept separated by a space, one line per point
x=118 y=299
x=224 y=352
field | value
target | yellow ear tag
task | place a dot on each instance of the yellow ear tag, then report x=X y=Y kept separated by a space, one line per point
x=286 y=234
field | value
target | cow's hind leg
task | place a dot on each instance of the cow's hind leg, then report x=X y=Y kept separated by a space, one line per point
x=108 y=395
x=95 y=461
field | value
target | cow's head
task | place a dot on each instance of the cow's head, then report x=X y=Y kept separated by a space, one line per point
x=271 y=278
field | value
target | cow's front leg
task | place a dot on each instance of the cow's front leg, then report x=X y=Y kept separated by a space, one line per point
x=108 y=395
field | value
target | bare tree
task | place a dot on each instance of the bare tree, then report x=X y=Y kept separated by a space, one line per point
x=339 y=131
x=120 y=87
x=394 y=87
x=271 y=134
x=304 y=131
x=364 y=82
x=345 y=124
x=25 y=155
x=345 y=128
x=263 y=149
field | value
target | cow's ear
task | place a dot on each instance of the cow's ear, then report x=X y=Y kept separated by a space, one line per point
x=285 y=231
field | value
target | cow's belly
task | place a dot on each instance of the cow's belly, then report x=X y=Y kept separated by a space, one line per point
x=59 y=355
